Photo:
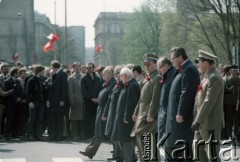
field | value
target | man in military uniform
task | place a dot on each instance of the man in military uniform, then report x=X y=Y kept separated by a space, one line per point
x=145 y=114
x=231 y=111
x=209 y=119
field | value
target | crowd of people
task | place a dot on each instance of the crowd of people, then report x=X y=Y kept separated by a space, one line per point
x=170 y=105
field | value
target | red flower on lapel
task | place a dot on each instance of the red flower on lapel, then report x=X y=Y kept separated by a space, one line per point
x=125 y=85
x=118 y=84
x=199 y=88
x=180 y=68
x=162 y=80
x=147 y=77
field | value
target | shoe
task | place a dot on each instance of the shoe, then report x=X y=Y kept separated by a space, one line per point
x=40 y=139
x=30 y=138
x=111 y=159
x=52 y=139
x=86 y=154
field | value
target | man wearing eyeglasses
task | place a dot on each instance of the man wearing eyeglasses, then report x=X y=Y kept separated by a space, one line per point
x=90 y=87
x=181 y=104
x=168 y=72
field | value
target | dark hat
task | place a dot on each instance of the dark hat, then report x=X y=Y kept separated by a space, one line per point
x=150 y=57
x=234 y=67
x=137 y=68
x=203 y=55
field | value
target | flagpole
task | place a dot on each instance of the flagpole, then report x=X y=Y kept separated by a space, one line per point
x=65 y=34
x=55 y=23
x=104 y=36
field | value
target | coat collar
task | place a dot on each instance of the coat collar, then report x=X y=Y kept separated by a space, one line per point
x=151 y=75
x=211 y=71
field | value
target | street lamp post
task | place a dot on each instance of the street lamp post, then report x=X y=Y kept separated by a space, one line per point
x=65 y=35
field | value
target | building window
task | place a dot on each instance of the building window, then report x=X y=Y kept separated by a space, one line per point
x=109 y=28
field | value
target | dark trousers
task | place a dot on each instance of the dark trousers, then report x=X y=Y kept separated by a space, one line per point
x=174 y=158
x=116 y=150
x=67 y=123
x=127 y=151
x=55 y=125
x=232 y=120
x=77 y=128
x=10 y=112
x=92 y=148
x=90 y=117
x=36 y=118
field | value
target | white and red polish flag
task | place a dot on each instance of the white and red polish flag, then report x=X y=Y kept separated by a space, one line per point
x=49 y=46
x=99 y=48
x=15 y=57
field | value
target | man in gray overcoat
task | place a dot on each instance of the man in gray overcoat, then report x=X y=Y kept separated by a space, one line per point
x=76 y=101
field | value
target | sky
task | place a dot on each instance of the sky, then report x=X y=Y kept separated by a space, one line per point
x=83 y=12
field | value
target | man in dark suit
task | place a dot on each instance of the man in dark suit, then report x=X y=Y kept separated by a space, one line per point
x=57 y=101
x=181 y=104
x=12 y=102
x=123 y=124
x=91 y=86
x=3 y=76
x=168 y=72
x=109 y=83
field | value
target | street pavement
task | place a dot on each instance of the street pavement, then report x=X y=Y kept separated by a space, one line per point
x=60 y=151
x=20 y=150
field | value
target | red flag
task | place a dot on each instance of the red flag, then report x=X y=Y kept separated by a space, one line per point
x=99 y=48
x=49 y=46
x=15 y=57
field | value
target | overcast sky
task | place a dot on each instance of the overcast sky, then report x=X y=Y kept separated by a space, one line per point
x=83 y=12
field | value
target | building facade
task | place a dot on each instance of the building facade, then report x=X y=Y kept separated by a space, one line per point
x=75 y=44
x=109 y=33
x=89 y=56
x=17 y=31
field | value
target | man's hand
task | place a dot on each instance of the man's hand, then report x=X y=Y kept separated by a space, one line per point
x=31 y=105
x=10 y=92
x=179 y=118
x=104 y=118
x=61 y=103
x=48 y=104
x=150 y=119
x=18 y=100
x=126 y=122
x=95 y=100
x=195 y=126
x=134 y=118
